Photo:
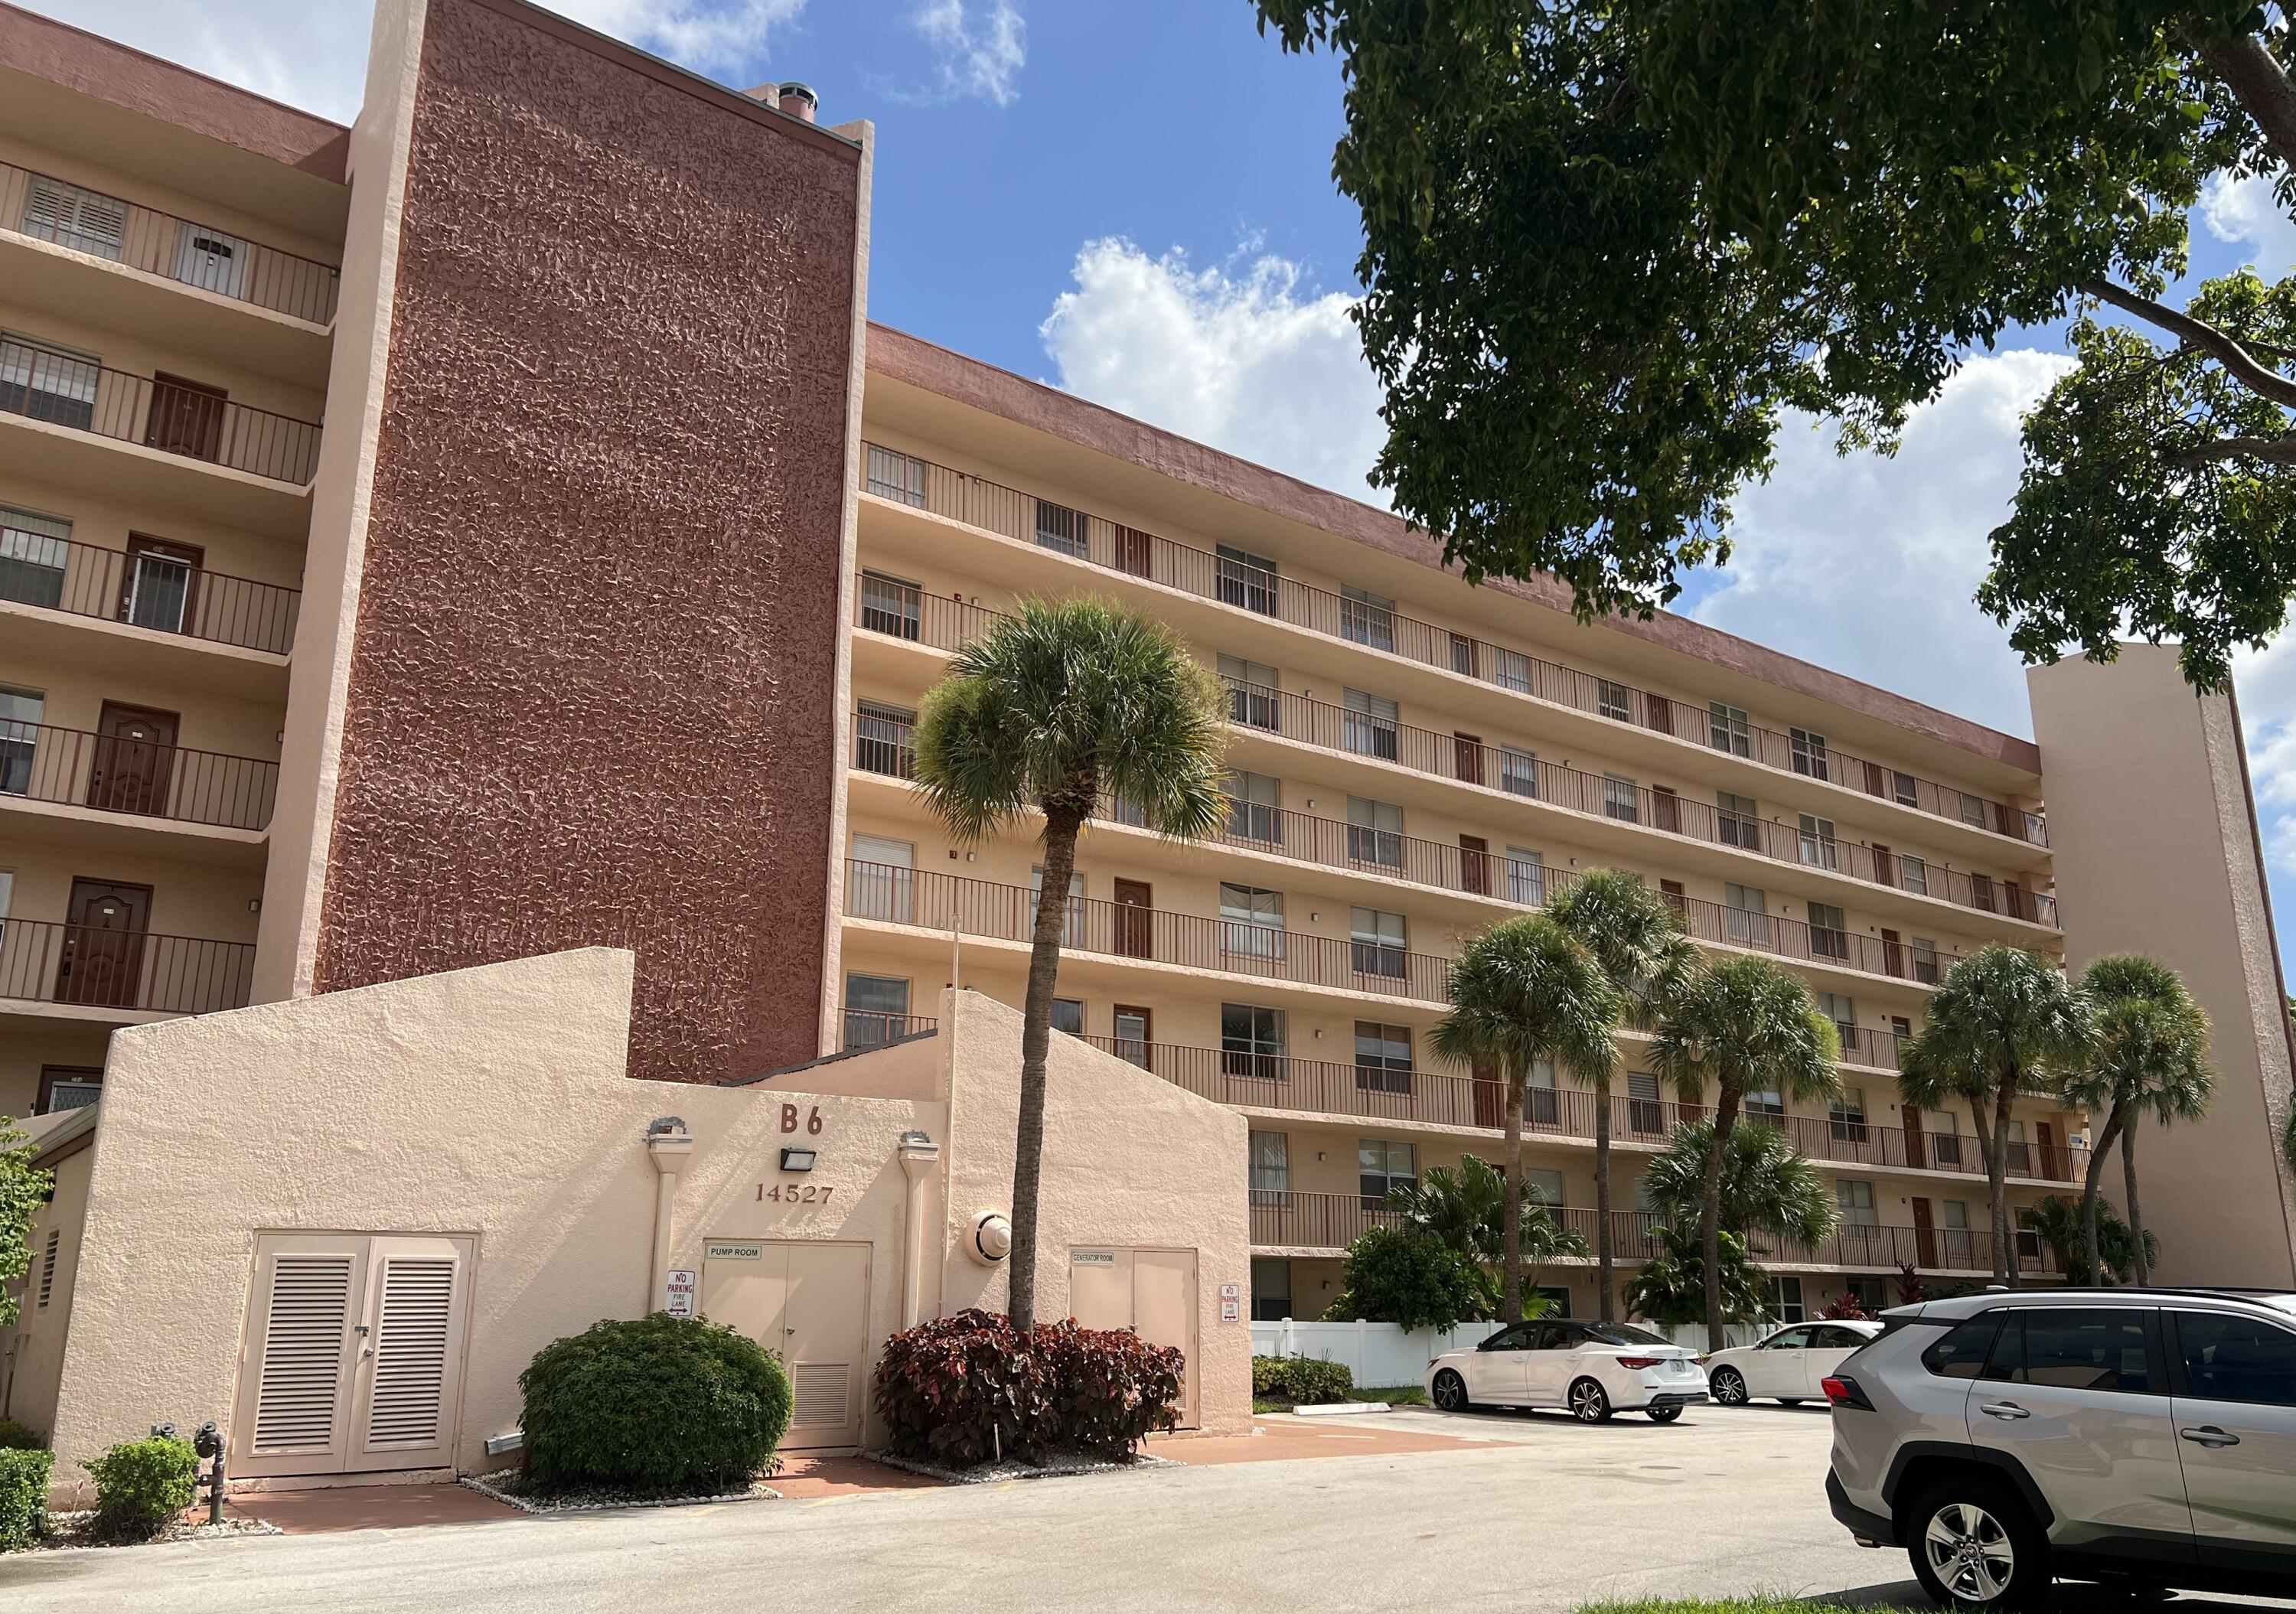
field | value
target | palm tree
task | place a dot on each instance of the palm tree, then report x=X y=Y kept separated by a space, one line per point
x=1058 y=706
x=1744 y=1025
x=2002 y=1021
x=1523 y=991
x=1637 y=937
x=2066 y=1228
x=1671 y=1288
x=1768 y=1190
x=2151 y=1058
x=1465 y=1210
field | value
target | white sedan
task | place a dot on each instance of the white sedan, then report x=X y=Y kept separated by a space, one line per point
x=1790 y=1365
x=1594 y=1369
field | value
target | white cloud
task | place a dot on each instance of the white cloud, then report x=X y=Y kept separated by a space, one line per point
x=1242 y=355
x=2245 y=210
x=981 y=58
x=704 y=35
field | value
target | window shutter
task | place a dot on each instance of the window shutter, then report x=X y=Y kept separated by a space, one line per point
x=48 y=1266
x=86 y=221
x=411 y=1349
x=302 y=1378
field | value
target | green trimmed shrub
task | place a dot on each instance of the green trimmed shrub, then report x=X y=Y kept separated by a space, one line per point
x=659 y=1405
x=23 y=1496
x=15 y=1437
x=142 y=1487
x=1303 y=1381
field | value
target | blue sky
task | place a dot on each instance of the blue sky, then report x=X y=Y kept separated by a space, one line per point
x=1134 y=201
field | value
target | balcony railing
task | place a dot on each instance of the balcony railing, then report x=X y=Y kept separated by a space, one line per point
x=886 y=745
x=147 y=589
x=1233 y=946
x=176 y=417
x=87 y=966
x=118 y=774
x=47 y=208
x=874 y=1027
x=946 y=624
x=1240 y=580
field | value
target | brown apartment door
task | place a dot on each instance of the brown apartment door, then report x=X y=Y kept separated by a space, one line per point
x=102 y=960
x=1666 y=809
x=135 y=759
x=1136 y=923
x=1489 y=1100
x=1133 y=552
x=1468 y=763
x=1475 y=864
x=159 y=588
x=1917 y=1154
x=2051 y=1164
x=1883 y=873
x=1924 y=1237
x=1893 y=955
x=186 y=417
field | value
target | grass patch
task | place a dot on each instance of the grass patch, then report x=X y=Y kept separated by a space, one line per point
x=1739 y=1605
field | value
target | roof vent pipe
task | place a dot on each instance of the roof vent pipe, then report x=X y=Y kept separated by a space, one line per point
x=798 y=100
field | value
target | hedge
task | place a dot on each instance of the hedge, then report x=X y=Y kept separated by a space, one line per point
x=1303 y=1381
x=142 y=1487
x=23 y=1496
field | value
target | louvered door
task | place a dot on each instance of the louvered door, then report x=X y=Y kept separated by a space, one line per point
x=293 y=1415
x=410 y=1364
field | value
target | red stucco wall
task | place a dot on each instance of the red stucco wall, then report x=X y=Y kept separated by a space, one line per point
x=594 y=664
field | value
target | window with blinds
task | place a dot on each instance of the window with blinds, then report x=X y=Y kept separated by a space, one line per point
x=72 y=215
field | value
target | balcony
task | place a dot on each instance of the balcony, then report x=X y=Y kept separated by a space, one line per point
x=152 y=242
x=148 y=590
x=1232 y=580
x=948 y=624
x=66 y=389
x=137 y=777
x=89 y=967
x=874 y=1028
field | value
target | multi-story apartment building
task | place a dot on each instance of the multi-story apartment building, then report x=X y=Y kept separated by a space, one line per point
x=494 y=529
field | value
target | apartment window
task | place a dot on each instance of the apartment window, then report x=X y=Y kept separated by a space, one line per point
x=34 y=551
x=68 y=1087
x=1785 y=1299
x=891 y=605
x=48 y=383
x=1808 y=752
x=1645 y=1111
x=1913 y=873
x=72 y=216
x=1545 y=1186
x=876 y=1009
x=1903 y=788
x=1246 y=580
x=1620 y=799
x=899 y=477
x=1867 y=1292
x=1737 y=821
x=1377 y=943
x=1382 y=1057
x=1953 y=1218
x=1846 y=1114
x=1375 y=832
x=1271 y=1167
x=1251 y=921
x=1614 y=700
x=1767 y=1105
x=1271 y=1289
x=1745 y=915
x=2016 y=1151
x=1252 y=1042
x=1367 y=618
x=20 y=738
x=1842 y=1010
x=1819 y=849
x=1383 y=1165
x=1062 y=528
x=1854 y=1197
x=1900 y=1027
x=1254 y=809
x=1542 y=1106
x=1517 y=771
x=1925 y=962
x=1251 y=687
x=1945 y=1138
x=1829 y=933
x=1462 y=655
x=1072 y=927
x=1067 y=1015
x=1526 y=876
x=1131 y=1043
x=1510 y=669
x=1369 y=727
x=1728 y=730
x=885 y=739
x=884 y=880
x=1973 y=810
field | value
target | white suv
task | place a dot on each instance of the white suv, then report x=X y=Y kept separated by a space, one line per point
x=1592 y=1368
x=2143 y=1437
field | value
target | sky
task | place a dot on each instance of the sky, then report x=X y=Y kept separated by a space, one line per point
x=1145 y=217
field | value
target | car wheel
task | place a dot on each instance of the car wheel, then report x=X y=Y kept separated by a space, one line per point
x=1665 y=1415
x=1730 y=1386
x=1975 y=1545
x=1589 y=1402
x=1451 y=1392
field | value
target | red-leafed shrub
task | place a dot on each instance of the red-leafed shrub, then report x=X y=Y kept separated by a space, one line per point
x=963 y=1390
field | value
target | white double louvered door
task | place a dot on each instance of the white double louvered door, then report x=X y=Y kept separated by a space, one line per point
x=352 y=1360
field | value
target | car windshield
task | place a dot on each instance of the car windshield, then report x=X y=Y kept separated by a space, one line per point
x=1623 y=1333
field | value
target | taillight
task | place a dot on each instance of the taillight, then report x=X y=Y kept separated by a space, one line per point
x=1843 y=1392
x=1640 y=1361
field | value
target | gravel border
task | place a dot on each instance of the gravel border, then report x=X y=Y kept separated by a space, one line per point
x=1061 y=1465
x=600 y=1501
x=65 y=1532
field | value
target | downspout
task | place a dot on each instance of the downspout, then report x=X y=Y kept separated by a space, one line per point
x=920 y=1157
x=667 y=1144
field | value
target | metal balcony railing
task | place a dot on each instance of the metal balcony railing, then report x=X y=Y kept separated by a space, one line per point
x=174 y=416
x=89 y=966
x=875 y=1028
x=1236 y=578
x=145 y=778
x=147 y=589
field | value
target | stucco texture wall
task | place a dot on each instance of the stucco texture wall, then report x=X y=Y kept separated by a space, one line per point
x=596 y=657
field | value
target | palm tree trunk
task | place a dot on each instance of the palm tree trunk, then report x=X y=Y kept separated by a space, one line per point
x=2135 y=1218
x=2091 y=1197
x=1061 y=827
x=1725 y=1116
x=1997 y=1177
x=1605 y=1259
x=1984 y=1124
x=1511 y=1207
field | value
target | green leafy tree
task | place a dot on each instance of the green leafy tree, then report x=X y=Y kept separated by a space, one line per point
x=1638 y=939
x=1401 y=1275
x=1465 y=1210
x=23 y=1189
x=2001 y=1021
x=1741 y=1025
x=1609 y=244
x=1672 y=1287
x=2072 y=1229
x=1768 y=1190
x=2150 y=1058
x=1058 y=706
x=1522 y=991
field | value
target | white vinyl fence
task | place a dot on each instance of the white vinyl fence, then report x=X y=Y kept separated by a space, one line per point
x=1382 y=1354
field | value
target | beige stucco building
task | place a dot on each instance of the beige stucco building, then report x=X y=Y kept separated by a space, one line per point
x=364 y=620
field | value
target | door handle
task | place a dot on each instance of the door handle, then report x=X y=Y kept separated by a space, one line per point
x=2004 y=1410
x=2209 y=1434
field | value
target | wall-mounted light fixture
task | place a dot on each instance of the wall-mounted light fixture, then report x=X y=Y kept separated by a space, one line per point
x=798 y=1159
x=255 y=904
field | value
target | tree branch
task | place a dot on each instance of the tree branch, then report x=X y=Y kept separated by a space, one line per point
x=2239 y=364
x=2257 y=80
x=2272 y=450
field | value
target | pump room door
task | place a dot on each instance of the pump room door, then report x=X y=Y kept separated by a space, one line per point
x=1151 y=1291
x=809 y=1301
x=352 y=1359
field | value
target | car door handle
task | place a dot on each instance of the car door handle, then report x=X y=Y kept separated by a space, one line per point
x=2004 y=1409
x=2209 y=1434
